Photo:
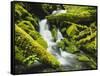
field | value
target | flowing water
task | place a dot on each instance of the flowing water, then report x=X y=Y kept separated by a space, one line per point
x=65 y=58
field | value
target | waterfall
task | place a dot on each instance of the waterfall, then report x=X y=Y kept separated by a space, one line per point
x=65 y=58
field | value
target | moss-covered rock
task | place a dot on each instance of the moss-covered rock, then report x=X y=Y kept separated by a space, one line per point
x=26 y=42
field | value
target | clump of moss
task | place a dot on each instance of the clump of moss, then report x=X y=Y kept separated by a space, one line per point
x=28 y=27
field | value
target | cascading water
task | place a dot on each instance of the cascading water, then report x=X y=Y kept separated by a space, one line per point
x=65 y=58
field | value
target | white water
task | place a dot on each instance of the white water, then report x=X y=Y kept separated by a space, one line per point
x=65 y=58
x=59 y=11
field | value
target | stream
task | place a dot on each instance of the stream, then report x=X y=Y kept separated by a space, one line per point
x=67 y=60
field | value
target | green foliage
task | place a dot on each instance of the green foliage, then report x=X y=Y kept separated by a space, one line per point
x=67 y=46
x=54 y=33
x=88 y=61
x=24 y=57
x=61 y=44
x=19 y=54
x=22 y=14
x=26 y=25
x=49 y=8
x=88 y=38
x=30 y=60
x=26 y=42
x=71 y=30
x=91 y=45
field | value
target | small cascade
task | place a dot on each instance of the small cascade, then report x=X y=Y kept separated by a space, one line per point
x=65 y=58
x=59 y=11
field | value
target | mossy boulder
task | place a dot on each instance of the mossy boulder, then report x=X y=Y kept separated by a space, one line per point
x=26 y=42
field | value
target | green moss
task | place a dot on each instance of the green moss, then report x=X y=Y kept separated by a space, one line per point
x=83 y=58
x=25 y=57
x=87 y=60
x=67 y=46
x=91 y=45
x=54 y=32
x=26 y=42
x=61 y=45
x=88 y=38
x=82 y=15
x=71 y=30
x=28 y=27
x=30 y=60
x=49 y=8
x=19 y=54
x=72 y=49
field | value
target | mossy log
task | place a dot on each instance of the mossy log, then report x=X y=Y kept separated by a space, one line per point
x=82 y=15
x=26 y=42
